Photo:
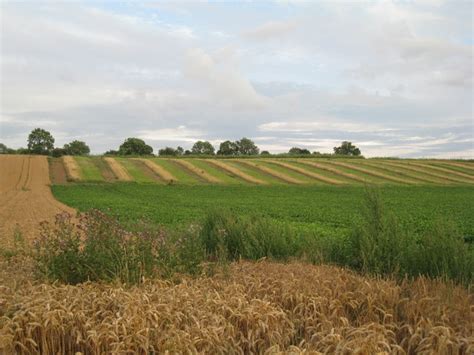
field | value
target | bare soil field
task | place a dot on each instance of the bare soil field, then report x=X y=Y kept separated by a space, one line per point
x=25 y=196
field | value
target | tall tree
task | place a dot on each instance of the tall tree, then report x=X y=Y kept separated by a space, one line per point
x=347 y=148
x=135 y=146
x=247 y=147
x=298 y=151
x=76 y=148
x=40 y=141
x=203 y=147
x=228 y=148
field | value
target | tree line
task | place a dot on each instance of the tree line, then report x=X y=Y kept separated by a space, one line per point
x=41 y=142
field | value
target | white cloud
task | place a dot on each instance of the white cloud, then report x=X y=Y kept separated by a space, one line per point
x=272 y=29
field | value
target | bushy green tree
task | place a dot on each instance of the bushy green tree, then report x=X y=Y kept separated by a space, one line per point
x=168 y=151
x=265 y=152
x=228 y=148
x=244 y=146
x=40 y=141
x=347 y=148
x=76 y=148
x=298 y=151
x=247 y=147
x=135 y=146
x=203 y=147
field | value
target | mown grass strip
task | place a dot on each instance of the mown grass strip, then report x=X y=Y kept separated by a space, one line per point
x=254 y=172
x=198 y=171
x=445 y=170
x=158 y=170
x=442 y=177
x=373 y=173
x=138 y=170
x=455 y=167
x=272 y=172
x=332 y=170
x=468 y=166
x=73 y=171
x=89 y=170
x=235 y=171
x=182 y=175
x=118 y=169
x=308 y=173
x=380 y=165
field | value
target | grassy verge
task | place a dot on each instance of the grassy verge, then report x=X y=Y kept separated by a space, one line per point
x=89 y=170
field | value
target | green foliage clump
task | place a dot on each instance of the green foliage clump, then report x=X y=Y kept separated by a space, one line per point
x=135 y=146
x=347 y=148
x=202 y=148
x=99 y=249
x=381 y=245
x=76 y=148
x=248 y=238
x=40 y=141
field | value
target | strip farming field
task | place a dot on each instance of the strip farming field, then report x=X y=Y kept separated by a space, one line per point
x=267 y=171
x=59 y=297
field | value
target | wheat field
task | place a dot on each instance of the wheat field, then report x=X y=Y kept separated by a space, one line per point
x=260 y=307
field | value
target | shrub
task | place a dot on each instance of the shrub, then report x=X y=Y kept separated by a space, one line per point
x=97 y=248
x=249 y=238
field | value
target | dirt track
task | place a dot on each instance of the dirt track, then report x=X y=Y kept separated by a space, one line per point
x=25 y=196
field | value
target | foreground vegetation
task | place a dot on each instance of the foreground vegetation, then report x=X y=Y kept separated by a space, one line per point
x=245 y=308
x=325 y=210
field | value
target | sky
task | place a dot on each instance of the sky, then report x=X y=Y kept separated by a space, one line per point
x=393 y=77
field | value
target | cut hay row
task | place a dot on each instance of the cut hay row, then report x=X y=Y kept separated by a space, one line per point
x=73 y=171
x=399 y=170
x=118 y=170
x=432 y=173
x=158 y=170
x=373 y=173
x=445 y=170
x=234 y=171
x=469 y=166
x=197 y=171
x=308 y=173
x=255 y=308
x=272 y=172
x=332 y=170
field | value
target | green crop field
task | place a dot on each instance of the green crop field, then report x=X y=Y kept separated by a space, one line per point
x=326 y=210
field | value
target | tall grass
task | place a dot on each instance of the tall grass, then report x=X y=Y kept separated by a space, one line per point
x=98 y=248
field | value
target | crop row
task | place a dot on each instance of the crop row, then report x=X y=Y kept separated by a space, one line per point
x=265 y=171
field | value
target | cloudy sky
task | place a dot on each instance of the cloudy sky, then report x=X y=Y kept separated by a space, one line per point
x=395 y=78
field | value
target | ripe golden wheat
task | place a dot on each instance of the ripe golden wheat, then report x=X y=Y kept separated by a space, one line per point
x=258 y=307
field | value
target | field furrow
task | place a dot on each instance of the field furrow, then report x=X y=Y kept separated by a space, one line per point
x=468 y=166
x=332 y=170
x=159 y=170
x=373 y=173
x=430 y=172
x=73 y=171
x=380 y=165
x=445 y=170
x=118 y=170
x=272 y=172
x=308 y=173
x=236 y=172
x=204 y=175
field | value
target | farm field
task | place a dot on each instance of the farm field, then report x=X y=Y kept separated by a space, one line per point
x=230 y=305
x=286 y=171
x=328 y=210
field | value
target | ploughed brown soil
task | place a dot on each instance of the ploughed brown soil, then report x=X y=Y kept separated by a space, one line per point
x=57 y=171
x=25 y=196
